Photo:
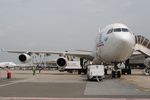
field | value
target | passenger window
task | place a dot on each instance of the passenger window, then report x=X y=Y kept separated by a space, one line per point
x=110 y=31
x=125 y=30
x=117 y=30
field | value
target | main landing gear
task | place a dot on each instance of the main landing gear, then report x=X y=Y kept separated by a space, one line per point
x=116 y=73
x=147 y=71
x=126 y=70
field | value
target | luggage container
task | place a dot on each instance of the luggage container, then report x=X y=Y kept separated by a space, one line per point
x=95 y=72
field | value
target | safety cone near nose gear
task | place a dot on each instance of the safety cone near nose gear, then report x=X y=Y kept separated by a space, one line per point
x=9 y=75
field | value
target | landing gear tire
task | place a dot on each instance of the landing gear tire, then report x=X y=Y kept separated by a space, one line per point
x=123 y=71
x=113 y=74
x=100 y=79
x=118 y=74
x=79 y=72
x=129 y=71
x=105 y=71
x=147 y=71
x=85 y=71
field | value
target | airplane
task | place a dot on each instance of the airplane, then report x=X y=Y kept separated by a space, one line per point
x=7 y=64
x=114 y=44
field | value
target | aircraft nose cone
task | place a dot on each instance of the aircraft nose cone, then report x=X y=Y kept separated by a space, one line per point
x=125 y=43
x=126 y=39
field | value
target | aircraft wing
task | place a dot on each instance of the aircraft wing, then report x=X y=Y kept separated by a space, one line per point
x=85 y=55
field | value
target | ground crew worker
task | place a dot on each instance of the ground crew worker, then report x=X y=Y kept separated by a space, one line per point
x=40 y=68
x=33 y=69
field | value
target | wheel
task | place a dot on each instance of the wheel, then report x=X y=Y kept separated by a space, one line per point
x=70 y=71
x=79 y=72
x=100 y=79
x=147 y=71
x=85 y=71
x=113 y=74
x=105 y=71
x=123 y=71
x=118 y=74
x=129 y=71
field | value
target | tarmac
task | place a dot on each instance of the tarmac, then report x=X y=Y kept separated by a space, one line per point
x=56 y=85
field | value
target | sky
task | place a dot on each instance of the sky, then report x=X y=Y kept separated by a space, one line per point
x=65 y=24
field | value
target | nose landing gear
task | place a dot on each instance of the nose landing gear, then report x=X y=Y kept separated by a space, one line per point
x=116 y=73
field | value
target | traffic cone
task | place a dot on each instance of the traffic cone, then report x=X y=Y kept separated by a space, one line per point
x=8 y=74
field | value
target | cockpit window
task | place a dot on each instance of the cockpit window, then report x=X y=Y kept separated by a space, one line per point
x=110 y=31
x=125 y=30
x=117 y=30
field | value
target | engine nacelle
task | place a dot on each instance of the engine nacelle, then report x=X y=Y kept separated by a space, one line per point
x=61 y=62
x=24 y=57
x=147 y=62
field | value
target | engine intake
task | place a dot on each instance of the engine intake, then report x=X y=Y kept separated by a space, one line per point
x=24 y=57
x=61 y=62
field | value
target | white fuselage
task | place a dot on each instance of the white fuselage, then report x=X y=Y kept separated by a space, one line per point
x=115 y=43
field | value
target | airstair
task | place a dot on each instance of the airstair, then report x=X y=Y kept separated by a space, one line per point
x=143 y=46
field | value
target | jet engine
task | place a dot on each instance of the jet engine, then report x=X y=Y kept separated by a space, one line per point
x=24 y=57
x=61 y=62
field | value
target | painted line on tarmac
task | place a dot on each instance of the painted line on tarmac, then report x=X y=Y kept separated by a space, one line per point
x=15 y=82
